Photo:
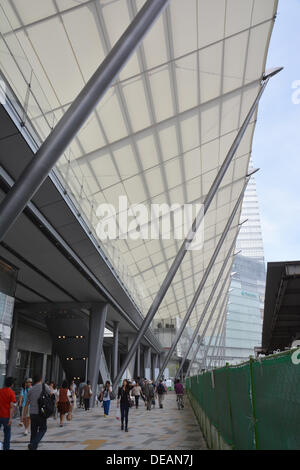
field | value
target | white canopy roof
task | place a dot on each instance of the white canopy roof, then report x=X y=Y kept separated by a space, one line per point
x=162 y=130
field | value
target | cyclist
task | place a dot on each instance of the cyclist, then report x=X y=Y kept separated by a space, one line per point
x=179 y=394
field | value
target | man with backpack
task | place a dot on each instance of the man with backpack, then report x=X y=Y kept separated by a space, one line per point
x=41 y=405
x=161 y=393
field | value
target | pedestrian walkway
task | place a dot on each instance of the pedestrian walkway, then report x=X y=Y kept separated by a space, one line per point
x=157 y=429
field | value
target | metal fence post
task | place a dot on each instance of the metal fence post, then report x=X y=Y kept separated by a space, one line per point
x=253 y=403
x=227 y=372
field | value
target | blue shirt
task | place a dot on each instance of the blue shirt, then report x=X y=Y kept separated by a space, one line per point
x=24 y=394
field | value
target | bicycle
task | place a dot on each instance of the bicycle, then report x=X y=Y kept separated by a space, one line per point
x=179 y=400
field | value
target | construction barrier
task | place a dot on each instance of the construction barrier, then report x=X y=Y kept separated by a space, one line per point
x=254 y=405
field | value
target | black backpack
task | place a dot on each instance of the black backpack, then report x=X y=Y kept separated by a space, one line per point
x=160 y=389
x=46 y=403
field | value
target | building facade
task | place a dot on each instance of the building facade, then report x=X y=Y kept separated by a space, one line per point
x=246 y=295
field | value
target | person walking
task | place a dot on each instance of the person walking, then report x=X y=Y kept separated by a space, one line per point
x=37 y=421
x=72 y=400
x=73 y=389
x=7 y=408
x=160 y=393
x=142 y=383
x=124 y=401
x=136 y=393
x=87 y=393
x=24 y=394
x=54 y=397
x=63 y=404
x=105 y=397
x=179 y=394
x=154 y=393
x=20 y=401
x=80 y=390
x=149 y=394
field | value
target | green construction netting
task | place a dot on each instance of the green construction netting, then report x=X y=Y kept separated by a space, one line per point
x=255 y=405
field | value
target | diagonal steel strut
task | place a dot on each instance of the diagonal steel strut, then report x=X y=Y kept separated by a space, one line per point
x=185 y=245
x=68 y=126
x=203 y=281
x=215 y=286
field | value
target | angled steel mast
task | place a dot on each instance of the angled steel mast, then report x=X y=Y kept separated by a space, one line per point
x=202 y=282
x=185 y=245
x=221 y=312
x=218 y=341
x=206 y=308
x=66 y=129
x=196 y=331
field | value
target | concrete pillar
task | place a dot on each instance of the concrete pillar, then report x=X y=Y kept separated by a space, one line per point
x=27 y=370
x=161 y=359
x=12 y=354
x=116 y=349
x=109 y=360
x=138 y=361
x=55 y=368
x=60 y=373
x=98 y=315
x=155 y=365
x=152 y=366
x=147 y=362
x=119 y=360
x=130 y=368
x=44 y=368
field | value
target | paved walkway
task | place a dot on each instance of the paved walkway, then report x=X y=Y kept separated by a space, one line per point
x=157 y=429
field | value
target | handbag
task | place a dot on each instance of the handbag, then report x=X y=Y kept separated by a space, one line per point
x=118 y=414
x=112 y=396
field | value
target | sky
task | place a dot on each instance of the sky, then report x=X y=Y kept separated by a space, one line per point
x=276 y=145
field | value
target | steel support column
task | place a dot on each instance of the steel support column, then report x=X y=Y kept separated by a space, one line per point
x=44 y=367
x=96 y=334
x=131 y=365
x=147 y=360
x=115 y=349
x=203 y=280
x=223 y=306
x=206 y=326
x=217 y=337
x=214 y=360
x=196 y=224
x=68 y=126
x=138 y=361
x=219 y=353
x=209 y=300
x=12 y=351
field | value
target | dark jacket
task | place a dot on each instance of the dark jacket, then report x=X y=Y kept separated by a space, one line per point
x=124 y=396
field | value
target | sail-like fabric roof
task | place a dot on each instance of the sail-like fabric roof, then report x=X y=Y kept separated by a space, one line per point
x=161 y=131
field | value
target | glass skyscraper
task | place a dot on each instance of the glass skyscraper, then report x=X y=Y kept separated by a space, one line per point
x=246 y=294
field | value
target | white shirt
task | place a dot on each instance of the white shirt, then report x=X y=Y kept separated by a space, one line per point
x=107 y=397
